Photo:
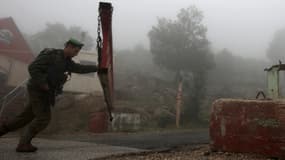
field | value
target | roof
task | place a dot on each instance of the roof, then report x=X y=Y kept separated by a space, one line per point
x=12 y=42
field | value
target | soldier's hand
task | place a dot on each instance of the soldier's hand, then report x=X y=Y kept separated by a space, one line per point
x=44 y=87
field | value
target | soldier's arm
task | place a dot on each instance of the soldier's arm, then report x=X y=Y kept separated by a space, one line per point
x=79 y=68
x=38 y=69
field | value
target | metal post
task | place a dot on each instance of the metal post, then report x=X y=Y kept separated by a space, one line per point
x=273 y=83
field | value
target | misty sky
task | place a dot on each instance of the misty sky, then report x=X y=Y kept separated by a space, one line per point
x=243 y=26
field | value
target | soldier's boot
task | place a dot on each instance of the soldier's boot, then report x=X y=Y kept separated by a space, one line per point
x=3 y=129
x=26 y=148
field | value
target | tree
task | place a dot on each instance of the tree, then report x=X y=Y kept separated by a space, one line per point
x=181 y=46
x=276 y=48
x=235 y=76
x=55 y=35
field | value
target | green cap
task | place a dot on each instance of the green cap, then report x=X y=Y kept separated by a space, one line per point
x=75 y=42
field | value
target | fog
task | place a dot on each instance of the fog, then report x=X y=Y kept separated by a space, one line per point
x=239 y=31
x=245 y=27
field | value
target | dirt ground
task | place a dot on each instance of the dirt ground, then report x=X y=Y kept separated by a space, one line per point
x=197 y=152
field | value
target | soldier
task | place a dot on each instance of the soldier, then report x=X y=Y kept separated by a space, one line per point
x=48 y=73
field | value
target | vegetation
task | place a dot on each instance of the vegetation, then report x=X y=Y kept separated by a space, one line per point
x=152 y=89
x=276 y=48
x=181 y=46
x=55 y=35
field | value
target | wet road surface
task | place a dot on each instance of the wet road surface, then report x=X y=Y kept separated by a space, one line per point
x=86 y=146
x=60 y=150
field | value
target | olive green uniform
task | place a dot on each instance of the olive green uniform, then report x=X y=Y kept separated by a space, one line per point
x=50 y=67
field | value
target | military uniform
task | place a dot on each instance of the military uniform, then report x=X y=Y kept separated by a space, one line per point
x=50 y=67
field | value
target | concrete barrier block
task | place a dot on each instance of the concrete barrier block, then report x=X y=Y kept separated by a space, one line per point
x=251 y=126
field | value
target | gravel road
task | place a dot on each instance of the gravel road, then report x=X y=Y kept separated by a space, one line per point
x=189 y=152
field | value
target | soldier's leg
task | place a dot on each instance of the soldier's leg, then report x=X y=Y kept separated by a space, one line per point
x=42 y=116
x=3 y=129
x=19 y=121
x=22 y=119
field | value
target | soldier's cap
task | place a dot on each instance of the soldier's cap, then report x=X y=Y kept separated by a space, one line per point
x=74 y=42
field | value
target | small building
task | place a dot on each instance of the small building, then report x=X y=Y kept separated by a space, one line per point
x=15 y=54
